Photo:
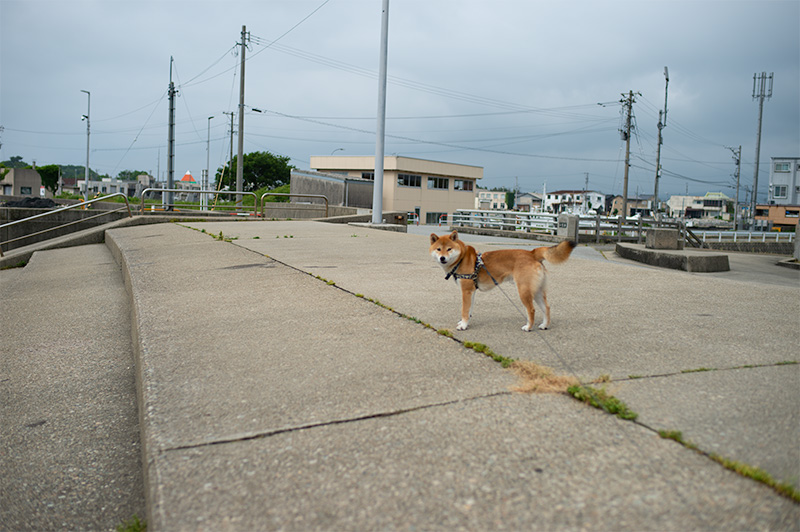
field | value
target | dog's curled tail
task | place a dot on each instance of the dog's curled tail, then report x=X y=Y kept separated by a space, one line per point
x=554 y=254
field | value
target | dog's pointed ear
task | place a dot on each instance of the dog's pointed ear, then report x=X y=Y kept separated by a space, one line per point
x=434 y=238
x=454 y=235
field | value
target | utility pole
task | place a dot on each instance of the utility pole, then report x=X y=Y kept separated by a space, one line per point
x=240 y=157
x=585 y=208
x=86 y=117
x=627 y=102
x=204 y=186
x=661 y=125
x=171 y=139
x=380 y=137
x=230 y=160
x=737 y=157
x=762 y=93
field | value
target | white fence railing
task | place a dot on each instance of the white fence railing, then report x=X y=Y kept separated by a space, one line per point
x=600 y=226
x=744 y=236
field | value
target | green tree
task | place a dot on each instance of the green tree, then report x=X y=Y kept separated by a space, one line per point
x=15 y=162
x=260 y=169
x=49 y=175
x=510 y=196
x=131 y=175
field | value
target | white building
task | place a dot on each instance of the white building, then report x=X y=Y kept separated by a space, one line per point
x=712 y=205
x=491 y=200
x=107 y=185
x=784 y=188
x=575 y=201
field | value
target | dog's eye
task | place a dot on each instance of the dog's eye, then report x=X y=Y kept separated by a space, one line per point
x=449 y=249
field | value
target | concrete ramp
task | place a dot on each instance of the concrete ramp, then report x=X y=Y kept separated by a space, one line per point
x=69 y=437
x=271 y=398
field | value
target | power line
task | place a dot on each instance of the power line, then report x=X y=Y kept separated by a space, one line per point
x=436 y=143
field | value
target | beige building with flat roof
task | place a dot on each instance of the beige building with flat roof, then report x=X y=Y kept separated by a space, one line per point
x=430 y=189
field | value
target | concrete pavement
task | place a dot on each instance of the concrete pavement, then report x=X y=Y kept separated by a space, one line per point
x=274 y=395
x=69 y=435
x=304 y=406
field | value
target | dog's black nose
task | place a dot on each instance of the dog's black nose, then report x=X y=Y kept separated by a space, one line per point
x=442 y=259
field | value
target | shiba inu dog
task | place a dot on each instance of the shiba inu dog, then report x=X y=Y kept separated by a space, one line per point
x=482 y=271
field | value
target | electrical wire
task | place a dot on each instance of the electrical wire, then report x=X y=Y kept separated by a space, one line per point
x=435 y=143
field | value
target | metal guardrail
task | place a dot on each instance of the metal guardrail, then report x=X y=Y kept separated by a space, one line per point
x=50 y=213
x=215 y=192
x=285 y=194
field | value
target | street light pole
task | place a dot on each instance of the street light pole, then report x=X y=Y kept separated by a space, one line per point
x=86 y=117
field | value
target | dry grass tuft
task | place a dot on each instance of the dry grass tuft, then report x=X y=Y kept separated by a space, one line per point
x=539 y=379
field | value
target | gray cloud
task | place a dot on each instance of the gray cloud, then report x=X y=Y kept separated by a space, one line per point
x=511 y=85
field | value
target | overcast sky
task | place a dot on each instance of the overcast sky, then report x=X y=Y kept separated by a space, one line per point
x=513 y=86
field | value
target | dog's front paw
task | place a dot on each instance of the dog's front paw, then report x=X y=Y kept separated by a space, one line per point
x=526 y=327
x=462 y=325
x=544 y=326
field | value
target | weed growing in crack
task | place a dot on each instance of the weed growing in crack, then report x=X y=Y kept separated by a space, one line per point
x=482 y=348
x=759 y=475
x=600 y=398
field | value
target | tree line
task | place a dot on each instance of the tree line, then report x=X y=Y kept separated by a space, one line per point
x=260 y=169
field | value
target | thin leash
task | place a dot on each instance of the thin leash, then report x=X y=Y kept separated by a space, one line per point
x=552 y=349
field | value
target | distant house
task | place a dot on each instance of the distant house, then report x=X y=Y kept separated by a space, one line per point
x=575 y=201
x=712 y=205
x=780 y=217
x=528 y=202
x=190 y=186
x=640 y=206
x=22 y=182
x=107 y=185
x=491 y=200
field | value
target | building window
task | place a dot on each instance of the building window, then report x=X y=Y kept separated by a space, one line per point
x=781 y=167
x=368 y=175
x=462 y=184
x=438 y=183
x=25 y=190
x=792 y=214
x=780 y=191
x=435 y=217
x=409 y=180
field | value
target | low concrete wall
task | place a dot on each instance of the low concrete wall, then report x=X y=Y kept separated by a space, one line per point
x=50 y=223
x=396 y=218
x=302 y=211
x=774 y=248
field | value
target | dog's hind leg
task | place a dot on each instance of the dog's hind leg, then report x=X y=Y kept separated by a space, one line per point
x=541 y=300
x=526 y=296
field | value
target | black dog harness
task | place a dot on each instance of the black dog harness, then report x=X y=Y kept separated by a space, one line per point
x=473 y=276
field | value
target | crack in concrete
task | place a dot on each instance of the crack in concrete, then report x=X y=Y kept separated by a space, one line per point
x=308 y=426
